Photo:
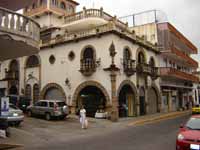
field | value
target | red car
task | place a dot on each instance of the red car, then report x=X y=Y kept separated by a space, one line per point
x=189 y=135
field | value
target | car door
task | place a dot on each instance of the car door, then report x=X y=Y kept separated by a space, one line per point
x=44 y=107
x=36 y=108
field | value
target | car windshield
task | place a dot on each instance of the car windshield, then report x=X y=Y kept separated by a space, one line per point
x=61 y=104
x=193 y=124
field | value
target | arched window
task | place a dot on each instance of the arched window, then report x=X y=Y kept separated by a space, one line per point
x=152 y=62
x=141 y=58
x=88 y=63
x=88 y=53
x=127 y=54
x=32 y=61
x=62 y=5
x=36 y=92
x=28 y=91
x=14 y=69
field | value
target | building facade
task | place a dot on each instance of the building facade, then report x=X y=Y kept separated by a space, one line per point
x=178 y=81
x=89 y=58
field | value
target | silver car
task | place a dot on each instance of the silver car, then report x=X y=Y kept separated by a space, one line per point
x=15 y=116
x=49 y=109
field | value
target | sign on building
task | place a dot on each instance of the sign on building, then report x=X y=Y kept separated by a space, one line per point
x=4 y=106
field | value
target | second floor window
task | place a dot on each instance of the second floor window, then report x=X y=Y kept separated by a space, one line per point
x=62 y=5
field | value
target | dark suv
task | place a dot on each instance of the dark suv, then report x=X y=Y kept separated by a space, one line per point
x=22 y=102
x=49 y=109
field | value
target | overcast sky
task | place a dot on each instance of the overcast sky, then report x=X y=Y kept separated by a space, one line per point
x=183 y=14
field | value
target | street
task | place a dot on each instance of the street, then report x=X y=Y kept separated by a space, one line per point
x=155 y=136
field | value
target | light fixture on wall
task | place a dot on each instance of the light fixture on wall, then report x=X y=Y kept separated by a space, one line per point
x=98 y=62
x=67 y=83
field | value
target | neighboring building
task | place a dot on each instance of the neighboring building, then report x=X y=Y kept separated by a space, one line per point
x=19 y=36
x=89 y=58
x=177 y=78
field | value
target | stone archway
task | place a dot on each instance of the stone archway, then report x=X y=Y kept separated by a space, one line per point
x=154 y=99
x=84 y=85
x=52 y=86
x=127 y=96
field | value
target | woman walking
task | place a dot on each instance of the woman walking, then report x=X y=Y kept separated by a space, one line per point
x=83 y=120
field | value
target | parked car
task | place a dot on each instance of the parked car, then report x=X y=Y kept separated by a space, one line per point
x=196 y=109
x=49 y=109
x=22 y=102
x=15 y=115
x=188 y=137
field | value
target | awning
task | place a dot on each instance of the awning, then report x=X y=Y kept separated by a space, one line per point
x=15 y=5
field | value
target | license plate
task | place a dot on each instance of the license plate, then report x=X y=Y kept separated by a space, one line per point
x=194 y=147
x=15 y=114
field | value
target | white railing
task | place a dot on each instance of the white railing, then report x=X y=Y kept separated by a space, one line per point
x=98 y=31
x=87 y=13
x=20 y=25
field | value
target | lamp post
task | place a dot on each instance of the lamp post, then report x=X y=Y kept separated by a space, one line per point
x=113 y=69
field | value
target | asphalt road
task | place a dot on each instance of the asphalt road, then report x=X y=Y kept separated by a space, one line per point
x=155 y=136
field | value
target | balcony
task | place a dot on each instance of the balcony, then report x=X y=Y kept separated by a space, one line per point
x=90 y=18
x=175 y=53
x=19 y=35
x=177 y=74
x=129 y=67
x=146 y=69
x=11 y=76
x=88 y=67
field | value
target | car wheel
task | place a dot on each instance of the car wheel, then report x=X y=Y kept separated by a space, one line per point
x=30 y=114
x=48 y=116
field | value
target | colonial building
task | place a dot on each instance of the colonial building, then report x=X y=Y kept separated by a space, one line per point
x=89 y=58
x=19 y=36
x=177 y=78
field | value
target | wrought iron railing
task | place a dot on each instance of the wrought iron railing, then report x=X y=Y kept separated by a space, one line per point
x=12 y=75
x=129 y=66
x=148 y=70
x=88 y=66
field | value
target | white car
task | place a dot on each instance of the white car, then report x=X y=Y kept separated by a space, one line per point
x=15 y=116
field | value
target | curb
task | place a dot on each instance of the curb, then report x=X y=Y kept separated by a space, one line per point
x=9 y=146
x=159 y=118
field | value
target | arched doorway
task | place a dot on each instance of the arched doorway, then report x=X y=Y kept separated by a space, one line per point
x=152 y=100
x=36 y=92
x=54 y=94
x=142 y=101
x=127 y=102
x=93 y=99
x=53 y=91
